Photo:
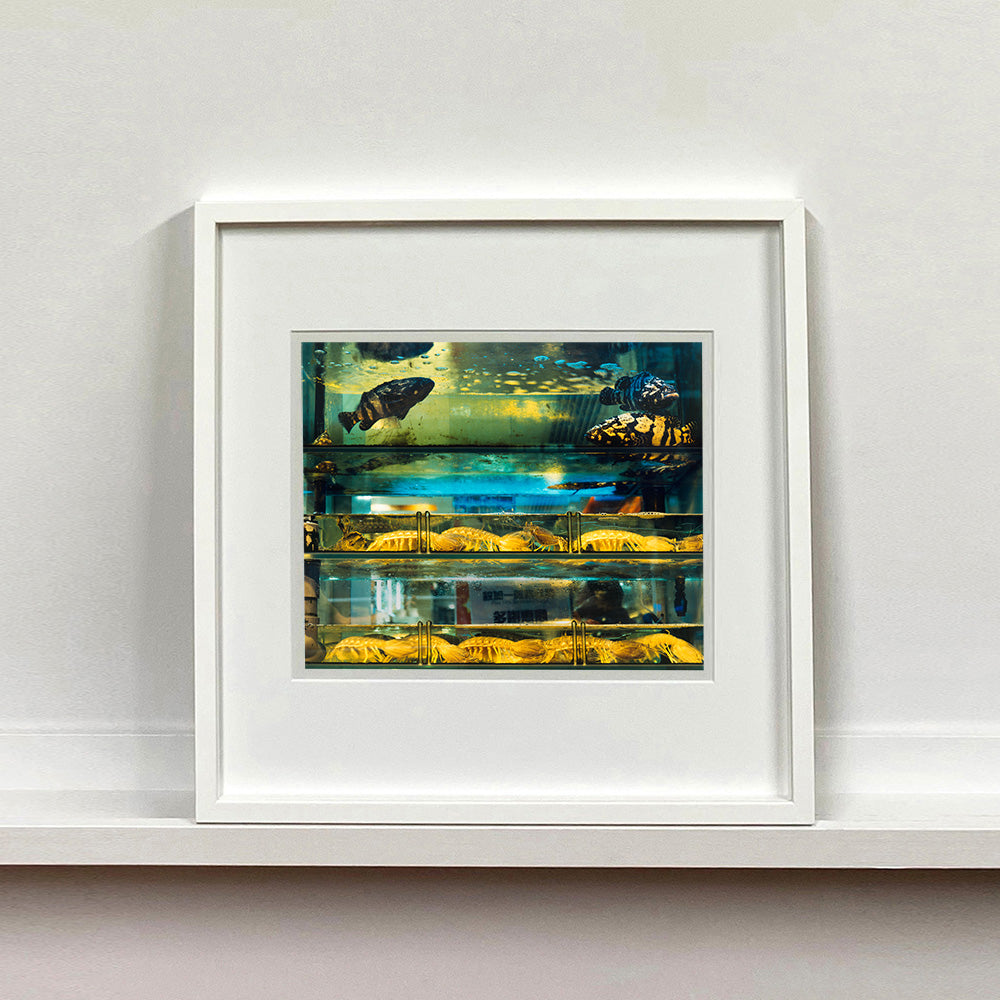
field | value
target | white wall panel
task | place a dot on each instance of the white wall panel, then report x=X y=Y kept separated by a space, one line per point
x=117 y=115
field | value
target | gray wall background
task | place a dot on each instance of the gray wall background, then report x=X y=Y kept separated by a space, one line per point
x=123 y=934
x=118 y=115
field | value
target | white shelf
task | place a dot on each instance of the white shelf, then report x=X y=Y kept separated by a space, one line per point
x=155 y=828
x=886 y=801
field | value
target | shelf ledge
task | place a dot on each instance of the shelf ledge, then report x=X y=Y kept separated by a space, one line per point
x=156 y=828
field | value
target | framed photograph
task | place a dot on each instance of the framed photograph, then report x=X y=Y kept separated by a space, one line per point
x=540 y=474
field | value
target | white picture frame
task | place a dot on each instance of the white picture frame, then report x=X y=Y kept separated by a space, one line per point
x=267 y=748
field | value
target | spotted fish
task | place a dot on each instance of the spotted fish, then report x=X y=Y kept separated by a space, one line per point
x=643 y=392
x=641 y=430
x=390 y=399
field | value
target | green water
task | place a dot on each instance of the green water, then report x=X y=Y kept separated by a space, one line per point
x=509 y=395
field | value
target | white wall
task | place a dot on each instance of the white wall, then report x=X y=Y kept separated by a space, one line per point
x=117 y=115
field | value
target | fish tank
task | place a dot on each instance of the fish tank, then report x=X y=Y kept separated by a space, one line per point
x=502 y=504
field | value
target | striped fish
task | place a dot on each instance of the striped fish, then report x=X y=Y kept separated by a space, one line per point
x=641 y=430
x=390 y=399
x=644 y=392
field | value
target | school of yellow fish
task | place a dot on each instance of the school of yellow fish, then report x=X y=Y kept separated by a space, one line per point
x=657 y=647
x=531 y=538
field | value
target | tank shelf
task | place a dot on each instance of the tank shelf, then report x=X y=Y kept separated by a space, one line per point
x=537 y=566
x=499 y=460
x=554 y=471
x=559 y=448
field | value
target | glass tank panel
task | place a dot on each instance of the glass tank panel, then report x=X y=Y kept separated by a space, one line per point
x=512 y=394
x=531 y=479
x=506 y=589
x=547 y=487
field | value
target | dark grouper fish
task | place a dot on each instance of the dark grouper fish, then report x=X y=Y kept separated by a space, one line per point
x=631 y=430
x=644 y=392
x=390 y=399
x=393 y=350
